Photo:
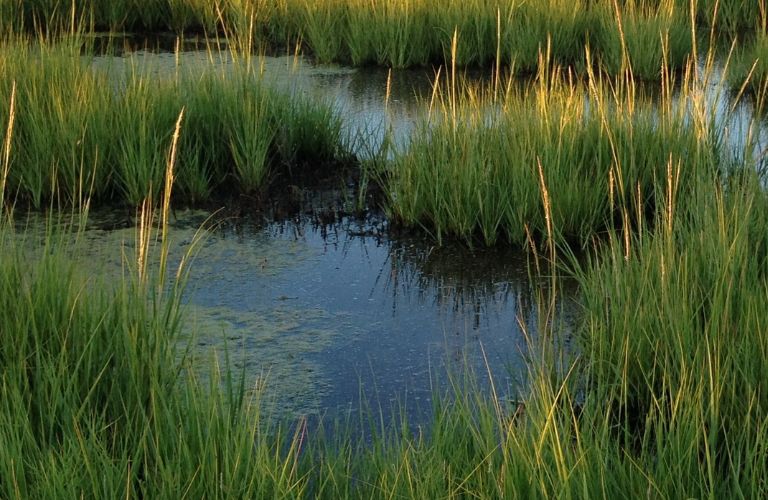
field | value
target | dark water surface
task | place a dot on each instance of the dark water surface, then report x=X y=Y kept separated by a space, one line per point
x=327 y=311
x=329 y=317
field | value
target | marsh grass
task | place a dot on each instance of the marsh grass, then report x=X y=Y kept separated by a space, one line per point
x=250 y=140
x=733 y=16
x=477 y=167
x=749 y=68
x=674 y=337
x=558 y=28
x=92 y=399
x=79 y=129
x=646 y=39
x=664 y=398
x=403 y=33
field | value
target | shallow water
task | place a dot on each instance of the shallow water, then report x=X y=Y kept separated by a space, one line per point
x=329 y=317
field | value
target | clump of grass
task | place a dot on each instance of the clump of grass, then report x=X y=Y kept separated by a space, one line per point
x=250 y=140
x=322 y=25
x=79 y=129
x=92 y=399
x=59 y=131
x=647 y=39
x=144 y=123
x=408 y=33
x=93 y=405
x=481 y=167
x=674 y=337
x=733 y=16
x=665 y=398
x=557 y=28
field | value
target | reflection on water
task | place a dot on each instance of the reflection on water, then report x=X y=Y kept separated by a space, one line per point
x=320 y=313
x=349 y=309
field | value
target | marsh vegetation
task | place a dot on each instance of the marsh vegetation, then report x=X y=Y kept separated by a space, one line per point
x=637 y=192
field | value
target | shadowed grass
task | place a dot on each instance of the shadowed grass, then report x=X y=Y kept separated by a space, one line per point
x=749 y=68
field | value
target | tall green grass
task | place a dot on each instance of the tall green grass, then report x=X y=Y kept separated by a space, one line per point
x=96 y=400
x=404 y=33
x=749 y=68
x=577 y=157
x=675 y=339
x=83 y=131
x=646 y=39
x=733 y=16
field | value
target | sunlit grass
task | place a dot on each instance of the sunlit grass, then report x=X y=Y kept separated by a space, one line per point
x=479 y=165
x=83 y=131
x=675 y=339
x=407 y=33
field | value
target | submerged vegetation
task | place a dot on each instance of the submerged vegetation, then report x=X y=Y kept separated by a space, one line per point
x=664 y=395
